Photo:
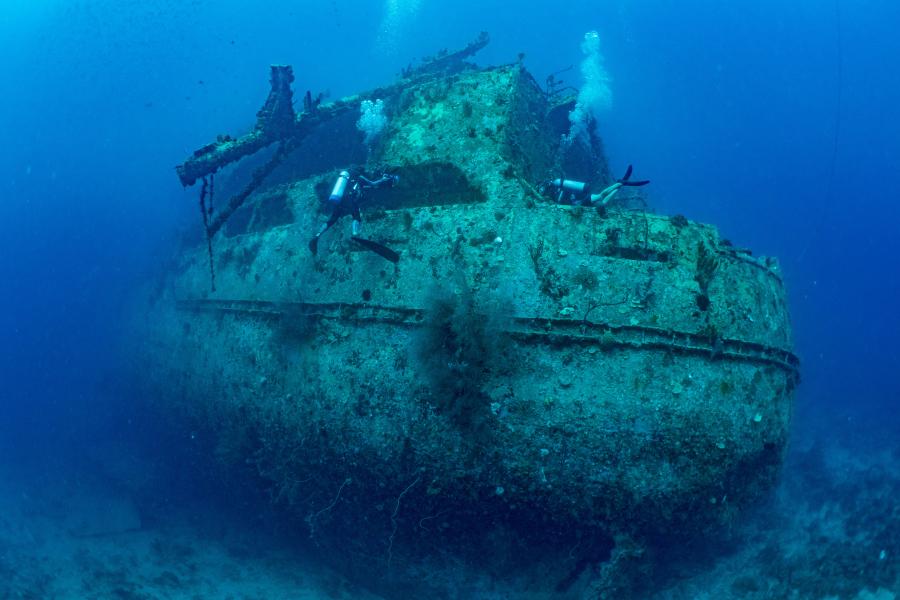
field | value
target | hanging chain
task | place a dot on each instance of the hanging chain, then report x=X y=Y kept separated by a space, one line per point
x=205 y=214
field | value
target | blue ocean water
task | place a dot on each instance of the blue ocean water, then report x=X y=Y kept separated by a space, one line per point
x=775 y=121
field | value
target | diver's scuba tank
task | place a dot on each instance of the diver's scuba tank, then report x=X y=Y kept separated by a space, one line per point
x=577 y=187
x=570 y=189
x=340 y=187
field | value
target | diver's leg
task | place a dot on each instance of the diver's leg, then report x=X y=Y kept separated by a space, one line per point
x=357 y=222
x=606 y=194
x=335 y=215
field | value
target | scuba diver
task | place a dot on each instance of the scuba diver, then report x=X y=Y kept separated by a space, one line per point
x=577 y=192
x=347 y=195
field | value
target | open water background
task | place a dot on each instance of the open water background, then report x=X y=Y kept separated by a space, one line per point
x=775 y=121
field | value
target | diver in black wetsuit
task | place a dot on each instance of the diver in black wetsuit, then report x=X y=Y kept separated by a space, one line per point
x=346 y=197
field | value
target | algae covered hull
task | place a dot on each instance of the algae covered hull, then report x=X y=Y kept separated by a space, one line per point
x=527 y=375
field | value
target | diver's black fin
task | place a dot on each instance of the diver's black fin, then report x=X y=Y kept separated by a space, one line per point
x=314 y=245
x=380 y=250
x=626 y=175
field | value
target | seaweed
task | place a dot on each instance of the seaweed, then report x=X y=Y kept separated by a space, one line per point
x=585 y=278
x=679 y=221
x=459 y=345
x=548 y=278
x=707 y=263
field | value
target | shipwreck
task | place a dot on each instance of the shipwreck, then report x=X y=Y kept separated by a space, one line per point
x=535 y=390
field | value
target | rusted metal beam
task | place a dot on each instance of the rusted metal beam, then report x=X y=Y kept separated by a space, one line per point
x=277 y=121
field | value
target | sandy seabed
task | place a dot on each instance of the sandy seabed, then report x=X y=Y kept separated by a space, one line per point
x=831 y=530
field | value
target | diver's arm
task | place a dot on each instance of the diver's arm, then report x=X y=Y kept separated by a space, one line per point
x=385 y=178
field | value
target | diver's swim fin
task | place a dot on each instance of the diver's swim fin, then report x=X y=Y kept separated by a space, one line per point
x=380 y=250
x=626 y=179
x=314 y=245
